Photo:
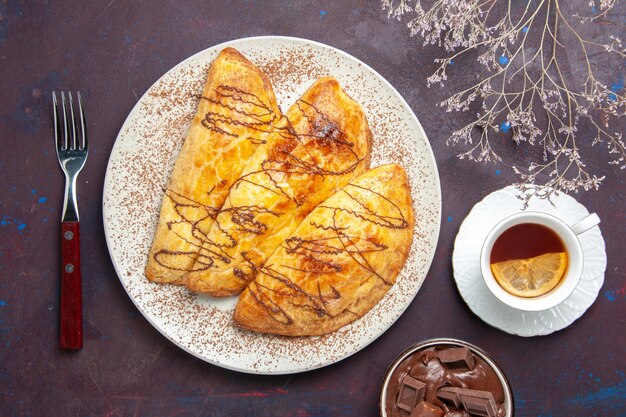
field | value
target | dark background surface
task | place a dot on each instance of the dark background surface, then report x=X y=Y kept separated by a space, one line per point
x=113 y=51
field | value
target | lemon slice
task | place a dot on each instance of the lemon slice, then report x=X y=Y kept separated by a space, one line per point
x=531 y=277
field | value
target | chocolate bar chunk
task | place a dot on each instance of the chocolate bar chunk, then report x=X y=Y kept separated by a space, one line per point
x=480 y=406
x=457 y=413
x=450 y=396
x=455 y=358
x=475 y=402
x=426 y=409
x=411 y=392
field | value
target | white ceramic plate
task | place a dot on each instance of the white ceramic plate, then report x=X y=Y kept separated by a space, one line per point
x=144 y=154
x=466 y=264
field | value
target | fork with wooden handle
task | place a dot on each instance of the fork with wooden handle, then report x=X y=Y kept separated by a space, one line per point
x=72 y=153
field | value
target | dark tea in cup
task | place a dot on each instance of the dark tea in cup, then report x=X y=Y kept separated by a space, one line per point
x=528 y=259
x=533 y=261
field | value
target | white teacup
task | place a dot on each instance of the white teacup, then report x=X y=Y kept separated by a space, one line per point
x=569 y=237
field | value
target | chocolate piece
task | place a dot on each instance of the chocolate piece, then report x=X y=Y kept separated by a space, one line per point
x=454 y=358
x=411 y=392
x=475 y=402
x=479 y=403
x=450 y=396
x=457 y=413
x=426 y=409
x=479 y=406
x=424 y=365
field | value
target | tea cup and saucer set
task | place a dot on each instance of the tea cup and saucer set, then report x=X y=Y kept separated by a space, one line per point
x=539 y=297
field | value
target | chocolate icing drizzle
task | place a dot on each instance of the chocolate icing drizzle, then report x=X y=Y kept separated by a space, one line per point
x=234 y=109
x=324 y=256
x=247 y=110
x=294 y=155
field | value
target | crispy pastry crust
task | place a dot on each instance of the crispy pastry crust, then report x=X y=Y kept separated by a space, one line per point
x=338 y=264
x=326 y=144
x=237 y=110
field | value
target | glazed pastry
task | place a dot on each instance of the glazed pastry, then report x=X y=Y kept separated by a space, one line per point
x=338 y=263
x=327 y=145
x=236 y=112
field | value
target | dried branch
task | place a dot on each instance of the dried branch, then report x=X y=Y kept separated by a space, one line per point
x=528 y=91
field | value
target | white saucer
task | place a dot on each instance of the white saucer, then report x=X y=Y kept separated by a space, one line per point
x=466 y=257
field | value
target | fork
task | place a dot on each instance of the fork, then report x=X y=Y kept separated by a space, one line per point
x=72 y=154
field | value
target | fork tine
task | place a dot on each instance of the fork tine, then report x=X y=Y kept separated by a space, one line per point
x=83 y=122
x=65 y=144
x=74 y=139
x=57 y=127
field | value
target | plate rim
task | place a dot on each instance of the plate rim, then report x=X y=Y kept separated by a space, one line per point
x=233 y=42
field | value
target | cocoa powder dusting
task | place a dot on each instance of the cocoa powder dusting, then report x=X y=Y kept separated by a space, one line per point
x=140 y=165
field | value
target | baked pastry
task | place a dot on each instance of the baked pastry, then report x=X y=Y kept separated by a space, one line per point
x=338 y=263
x=236 y=112
x=327 y=145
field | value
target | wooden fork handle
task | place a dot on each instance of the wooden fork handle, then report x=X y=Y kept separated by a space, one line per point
x=71 y=287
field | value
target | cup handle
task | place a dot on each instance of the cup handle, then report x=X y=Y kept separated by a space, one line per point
x=585 y=224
